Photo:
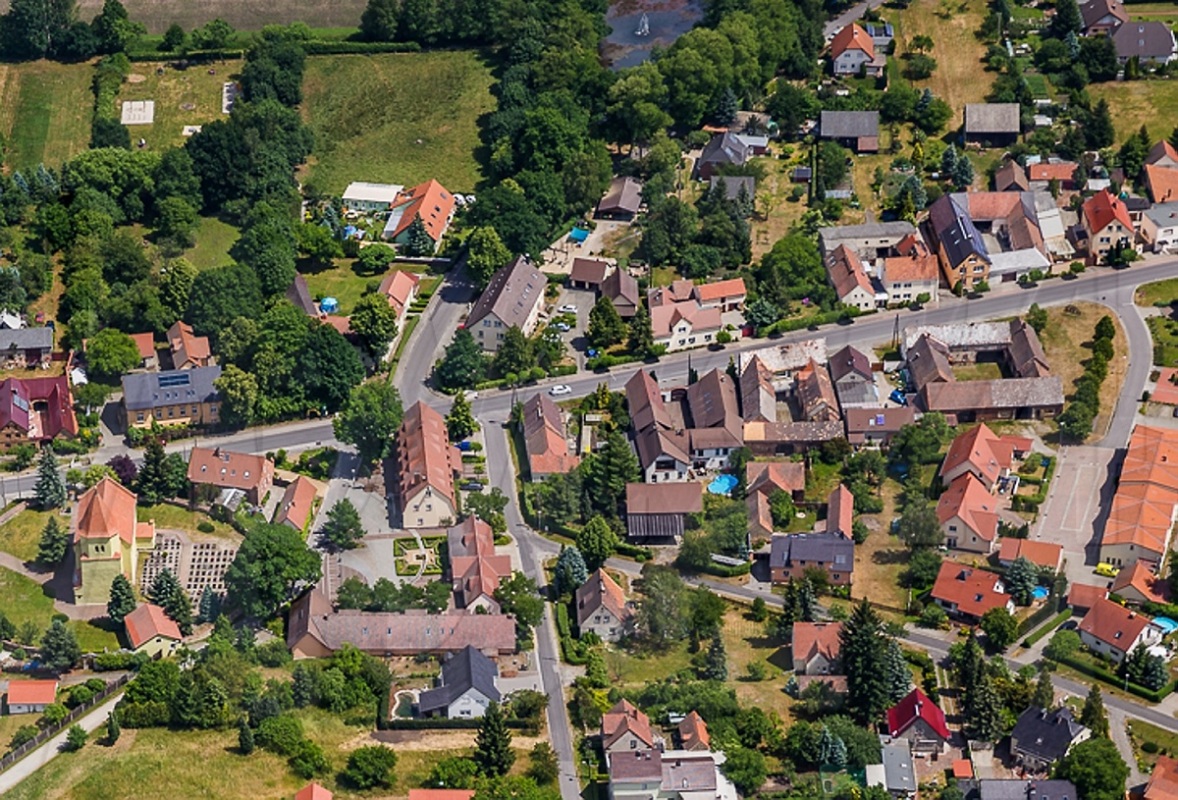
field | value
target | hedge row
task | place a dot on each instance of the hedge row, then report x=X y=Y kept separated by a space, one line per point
x=825 y=318
x=724 y=570
x=634 y=551
x=1049 y=609
x=312 y=48
x=1032 y=502
x=1048 y=628
x=436 y=723
x=1093 y=671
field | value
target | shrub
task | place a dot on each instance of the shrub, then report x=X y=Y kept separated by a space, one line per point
x=370 y=766
x=281 y=735
x=204 y=526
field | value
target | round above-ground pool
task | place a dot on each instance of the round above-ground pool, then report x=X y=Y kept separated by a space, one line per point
x=1167 y=625
x=723 y=484
x=1040 y=593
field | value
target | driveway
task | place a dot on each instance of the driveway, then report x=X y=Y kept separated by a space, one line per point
x=1076 y=506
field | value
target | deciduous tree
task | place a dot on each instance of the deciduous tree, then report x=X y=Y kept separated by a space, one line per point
x=1096 y=769
x=374 y=322
x=597 y=542
x=270 y=563
x=343 y=529
x=462 y=365
x=369 y=419
x=460 y=422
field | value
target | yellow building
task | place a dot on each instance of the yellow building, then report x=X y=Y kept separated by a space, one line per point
x=149 y=630
x=107 y=540
x=175 y=397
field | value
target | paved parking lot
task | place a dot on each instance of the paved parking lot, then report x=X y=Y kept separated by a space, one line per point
x=1077 y=502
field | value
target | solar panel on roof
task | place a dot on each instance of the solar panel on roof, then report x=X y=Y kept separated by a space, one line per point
x=174 y=379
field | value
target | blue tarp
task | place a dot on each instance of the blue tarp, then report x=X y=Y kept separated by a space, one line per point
x=578 y=235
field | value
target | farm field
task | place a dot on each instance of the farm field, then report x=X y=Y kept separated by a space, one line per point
x=1151 y=103
x=396 y=118
x=157 y=15
x=182 y=97
x=45 y=111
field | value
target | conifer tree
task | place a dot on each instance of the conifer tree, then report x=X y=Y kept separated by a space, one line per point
x=899 y=676
x=50 y=489
x=716 y=662
x=417 y=239
x=570 y=571
x=864 y=662
x=122 y=599
x=1093 y=716
x=1044 y=691
x=54 y=543
x=493 y=753
x=984 y=714
x=113 y=729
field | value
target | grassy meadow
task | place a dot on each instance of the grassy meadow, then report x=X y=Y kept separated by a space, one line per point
x=45 y=111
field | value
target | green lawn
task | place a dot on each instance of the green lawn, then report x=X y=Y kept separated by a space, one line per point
x=21 y=534
x=986 y=371
x=1165 y=340
x=182 y=97
x=24 y=600
x=345 y=284
x=213 y=240
x=1152 y=103
x=1159 y=293
x=176 y=518
x=1141 y=732
x=45 y=111
x=396 y=118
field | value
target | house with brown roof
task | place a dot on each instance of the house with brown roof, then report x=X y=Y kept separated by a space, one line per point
x=763 y=480
x=847 y=275
x=659 y=511
x=1102 y=17
x=852 y=52
x=1163 y=781
x=992 y=124
x=149 y=630
x=229 y=470
x=1053 y=169
x=622 y=199
x=108 y=540
x=727 y=295
x=758 y=397
x=145 y=344
x=298 y=501
x=1011 y=398
x=546 y=439
x=1082 y=596
x=674 y=775
x=816 y=647
x=30 y=697
x=426 y=465
x=1109 y=629
x=968 y=592
x=968 y=514
x=400 y=287
x=602 y=608
x=984 y=454
x=875 y=427
x=188 y=350
x=475 y=569
x=1106 y=223
x=1136 y=584
x=693 y=733
x=588 y=273
x=35 y=410
x=430 y=202
x=1011 y=177
x=622 y=290
x=1162 y=154
x=626 y=728
x=680 y=326
x=679 y=290
x=854 y=380
x=790 y=438
x=315 y=630
x=1044 y=555
x=513 y=299
x=815 y=393
x=911 y=272
x=1143 y=509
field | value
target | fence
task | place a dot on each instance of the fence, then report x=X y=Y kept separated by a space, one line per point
x=47 y=734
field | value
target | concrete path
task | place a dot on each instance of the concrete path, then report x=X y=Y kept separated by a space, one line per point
x=52 y=748
x=1117 y=720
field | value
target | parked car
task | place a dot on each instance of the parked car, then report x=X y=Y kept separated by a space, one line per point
x=560 y=389
x=898 y=397
x=472 y=486
x=562 y=327
x=567 y=308
x=1106 y=569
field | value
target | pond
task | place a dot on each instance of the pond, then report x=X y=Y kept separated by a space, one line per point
x=667 y=20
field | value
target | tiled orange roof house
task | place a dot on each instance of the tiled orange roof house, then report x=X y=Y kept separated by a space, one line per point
x=816 y=647
x=107 y=540
x=30 y=697
x=428 y=200
x=969 y=592
x=545 y=438
x=1146 y=501
x=602 y=607
x=298 y=501
x=426 y=463
x=400 y=287
x=149 y=630
x=968 y=515
x=1112 y=630
x=852 y=51
x=188 y=350
x=226 y=469
x=475 y=569
x=985 y=454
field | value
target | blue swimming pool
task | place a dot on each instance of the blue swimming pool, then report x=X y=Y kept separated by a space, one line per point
x=1040 y=593
x=722 y=484
x=1166 y=624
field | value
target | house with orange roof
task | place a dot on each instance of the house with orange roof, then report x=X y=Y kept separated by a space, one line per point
x=546 y=438
x=726 y=295
x=149 y=630
x=625 y=728
x=968 y=592
x=816 y=647
x=475 y=569
x=847 y=275
x=1107 y=224
x=913 y=271
x=229 y=470
x=108 y=540
x=693 y=733
x=984 y=454
x=30 y=697
x=145 y=344
x=815 y=393
x=313 y=791
x=852 y=52
x=188 y=350
x=1162 y=154
x=400 y=287
x=1163 y=781
x=426 y=465
x=1044 y=555
x=298 y=501
x=430 y=202
x=1110 y=629
x=602 y=607
x=1042 y=174
x=1162 y=183
x=968 y=515
x=1145 y=504
x=765 y=479
x=1136 y=584
x=1082 y=596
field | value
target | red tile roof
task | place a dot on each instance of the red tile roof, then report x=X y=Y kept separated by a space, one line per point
x=623 y=717
x=1162 y=182
x=1142 y=510
x=475 y=567
x=146 y=344
x=1061 y=171
x=600 y=590
x=985 y=452
x=229 y=470
x=840 y=511
x=963 y=769
x=719 y=290
x=432 y=202
x=424 y=455
x=1041 y=554
x=106 y=510
x=968 y=499
x=296 y=504
x=846 y=272
x=1163 y=782
x=147 y=622
x=812 y=639
x=188 y=349
x=852 y=37
x=974 y=591
x=1139 y=577
x=1085 y=595
x=915 y=262
x=693 y=733
x=1113 y=624
x=545 y=437
x=20 y=397
x=768 y=477
x=398 y=287
x=1167 y=389
x=32 y=693
x=1103 y=208
x=913 y=707
x=313 y=791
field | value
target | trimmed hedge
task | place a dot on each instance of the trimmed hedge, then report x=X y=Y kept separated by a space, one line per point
x=1032 y=502
x=825 y=318
x=1048 y=628
x=438 y=723
x=1093 y=671
x=1049 y=608
x=634 y=551
x=724 y=570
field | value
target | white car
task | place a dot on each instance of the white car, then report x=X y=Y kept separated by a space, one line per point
x=560 y=389
x=562 y=327
x=567 y=308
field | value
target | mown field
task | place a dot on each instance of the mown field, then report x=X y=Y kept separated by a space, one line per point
x=157 y=15
x=45 y=111
x=182 y=97
x=396 y=118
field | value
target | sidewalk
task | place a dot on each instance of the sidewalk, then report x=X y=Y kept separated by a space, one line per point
x=52 y=748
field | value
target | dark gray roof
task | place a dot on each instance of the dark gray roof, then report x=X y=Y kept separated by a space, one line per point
x=1146 y=40
x=812 y=548
x=511 y=294
x=899 y=771
x=1016 y=789
x=953 y=226
x=1046 y=735
x=849 y=124
x=26 y=339
x=467 y=669
x=928 y=362
x=624 y=194
x=725 y=148
x=153 y=389
x=847 y=361
x=1094 y=11
x=300 y=297
x=991 y=118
